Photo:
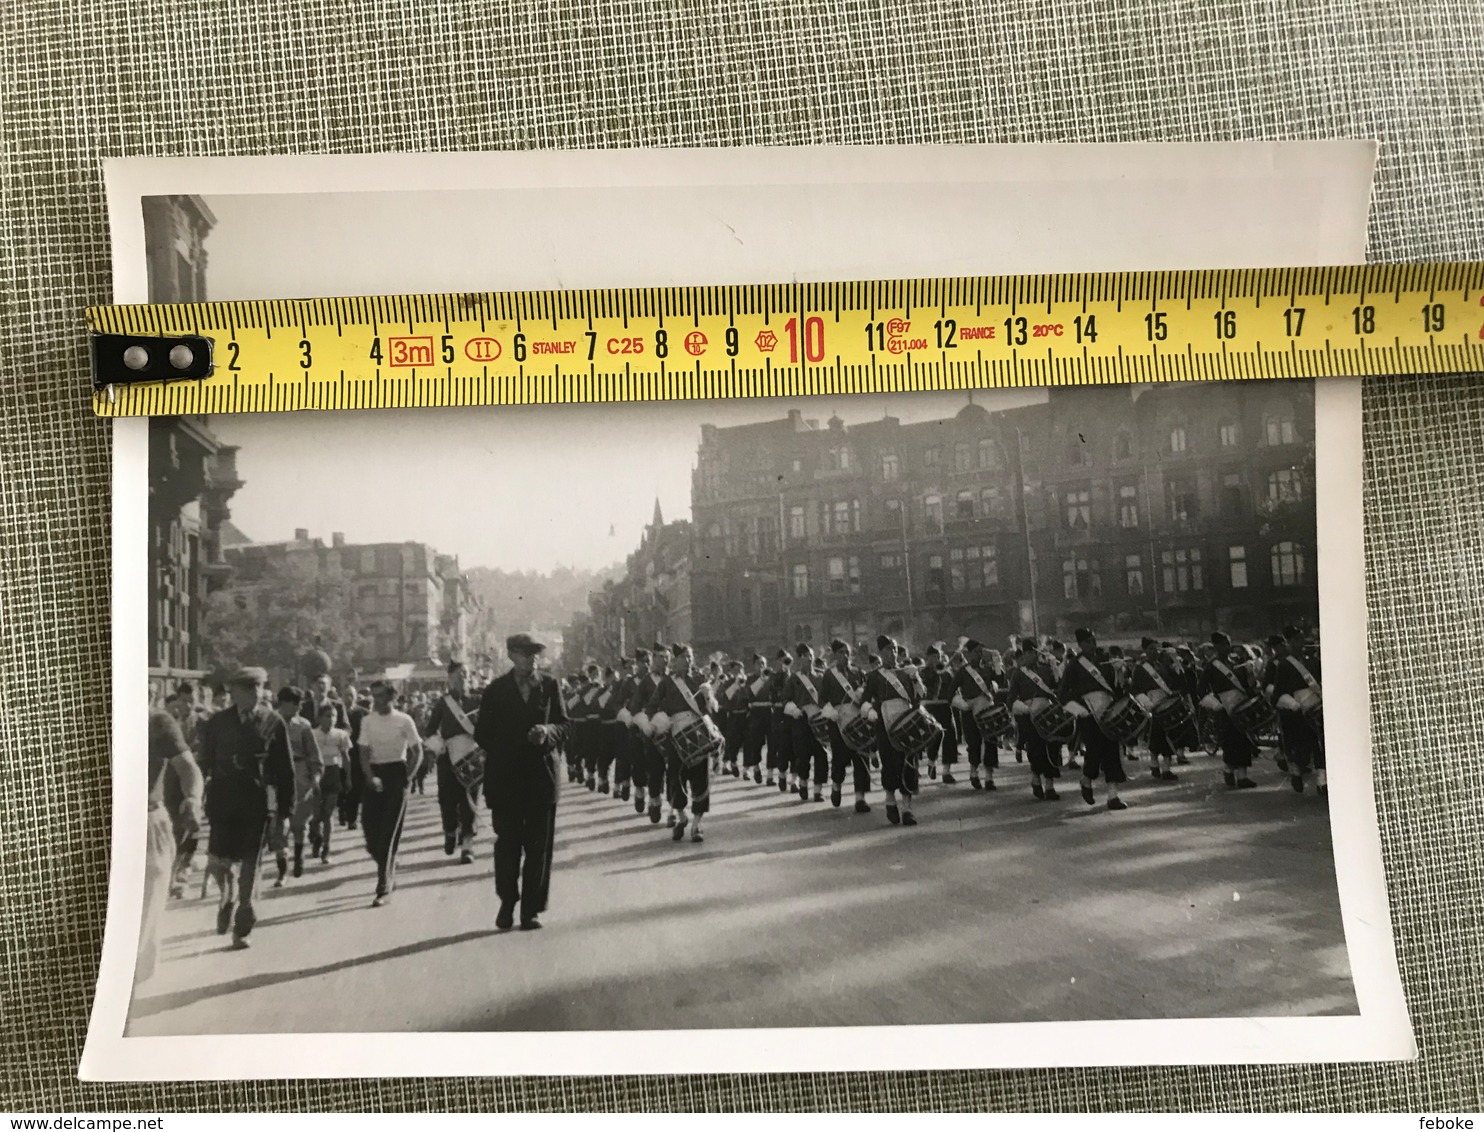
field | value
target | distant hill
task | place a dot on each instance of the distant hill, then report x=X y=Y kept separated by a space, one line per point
x=522 y=598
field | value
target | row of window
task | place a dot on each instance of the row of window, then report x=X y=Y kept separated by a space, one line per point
x=967 y=569
x=1181 y=500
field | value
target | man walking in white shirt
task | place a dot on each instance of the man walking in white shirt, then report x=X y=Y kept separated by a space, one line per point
x=388 y=740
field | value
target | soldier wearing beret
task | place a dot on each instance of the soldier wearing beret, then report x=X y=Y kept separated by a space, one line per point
x=522 y=727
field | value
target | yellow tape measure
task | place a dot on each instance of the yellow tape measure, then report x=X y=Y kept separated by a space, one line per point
x=750 y=341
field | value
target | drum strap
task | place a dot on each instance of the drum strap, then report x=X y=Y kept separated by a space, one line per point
x=1221 y=667
x=809 y=687
x=842 y=683
x=451 y=705
x=1157 y=678
x=1304 y=672
x=978 y=679
x=758 y=685
x=1096 y=672
x=891 y=678
x=604 y=697
x=686 y=694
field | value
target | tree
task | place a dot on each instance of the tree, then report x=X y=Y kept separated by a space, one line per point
x=274 y=620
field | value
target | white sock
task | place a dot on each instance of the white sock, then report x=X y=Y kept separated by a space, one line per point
x=906 y=802
x=891 y=797
x=1112 y=790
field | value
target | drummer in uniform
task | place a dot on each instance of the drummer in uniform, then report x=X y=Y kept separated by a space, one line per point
x=1092 y=687
x=780 y=734
x=890 y=690
x=1289 y=682
x=1031 y=688
x=616 y=728
x=800 y=695
x=1222 y=686
x=607 y=719
x=653 y=755
x=1150 y=680
x=759 y=716
x=938 y=681
x=732 y=696
x=571 y=692
x=841 y=687
x=973 y=680
x=684 y=695
x=451 y=716
x=587 y=724
x=640 y=689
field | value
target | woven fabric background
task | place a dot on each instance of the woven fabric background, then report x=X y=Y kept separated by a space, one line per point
x=81 y=82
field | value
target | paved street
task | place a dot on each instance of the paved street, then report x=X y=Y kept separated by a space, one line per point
x=997 y=908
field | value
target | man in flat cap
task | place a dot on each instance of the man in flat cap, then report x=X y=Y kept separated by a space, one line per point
x=244 y=750
x=522 y=725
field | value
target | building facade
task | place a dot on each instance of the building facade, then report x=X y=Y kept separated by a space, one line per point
x=651 y=602
x=192 y=476
x=1169 y=510
x=409 y=603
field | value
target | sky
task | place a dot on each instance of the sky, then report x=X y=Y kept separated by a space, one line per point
x=525 y=488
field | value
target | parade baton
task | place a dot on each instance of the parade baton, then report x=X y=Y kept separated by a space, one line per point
x=545 y=347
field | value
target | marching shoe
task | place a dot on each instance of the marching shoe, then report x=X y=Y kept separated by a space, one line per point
x=835 y=797
x=224 y=918
x=638 y=803
x=678 y=829
x=1154 y=771
x=1246 y=784
x=893 y=815
x=696 y=836
x=861 y=806
x=803 y=791
x=592 y=782
x=908 y=819
x=1230 y=779
x=530 y=924
x=1168 y=776
x=1182 y=760
x=933 y=771
x=298 y=863
x=239 y=943
x=326 y=857
x=757 y=775
x=283 y=871
x=1117 y=804
x=989 y=784
x=736 y=771
x=1297 y=782
x=505 y=917
x=1038 y=790
x=670 y=820
x=1087 y=795
x=654 y=813
x=450 y=843
x=380 y=901
x=948 y=779
x=1052 y=795
x=818 y=795
x=782 y=785
x=466 y=857
x=314 y=846
x=770 y=781
x=975 y=783
x=602 y=786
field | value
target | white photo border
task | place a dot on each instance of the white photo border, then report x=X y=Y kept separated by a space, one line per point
x=1381 y=1031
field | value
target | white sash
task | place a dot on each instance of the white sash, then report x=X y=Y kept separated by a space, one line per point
x=1097 y=672
x=1163 y=687
x=1221 y=667
x=891 y=678
x=841 y=682
x=1304 y=672
x=758 y=685
x=686 y=694
x=979 y=679
x=452 y=706
x=604 y=697
x=809 y=687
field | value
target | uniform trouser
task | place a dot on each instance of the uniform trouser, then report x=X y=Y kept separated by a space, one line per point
x=898 y=772
x=614 y=758
x=381 y=815
x=756 y=738
x=984 y=750
x=454 y=804
x=159 y=865
x=323 y=820
x=689 y=785
x=1303 y=749
x=593 y=747
x=525 y=838
x=350 y=794
x=1159 y=742
x=806 y=749
x=842 y=756
x=573 y=752
x=1100 y=755
x=780 y=743
x=638 y=757
x=656 y=753
x=947 y=746
x=735 y=729
x=1044 y=761
x=1236 y=748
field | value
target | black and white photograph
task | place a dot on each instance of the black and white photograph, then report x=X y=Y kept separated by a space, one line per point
x=998 y=718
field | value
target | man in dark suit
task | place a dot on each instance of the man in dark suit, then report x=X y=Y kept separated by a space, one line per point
x=522 y=725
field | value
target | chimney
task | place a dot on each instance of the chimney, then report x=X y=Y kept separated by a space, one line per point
x=796 y=419
x=301 y=534
x=337 y=538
